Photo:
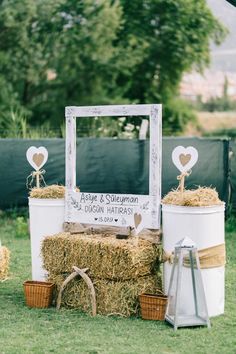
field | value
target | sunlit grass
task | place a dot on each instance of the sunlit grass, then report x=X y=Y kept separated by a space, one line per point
x=24 y=330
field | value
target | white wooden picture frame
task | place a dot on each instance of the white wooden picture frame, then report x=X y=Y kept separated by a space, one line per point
x=127 y=210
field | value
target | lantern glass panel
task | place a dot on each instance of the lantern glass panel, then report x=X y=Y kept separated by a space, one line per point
x=186 y=268
x=197 y=287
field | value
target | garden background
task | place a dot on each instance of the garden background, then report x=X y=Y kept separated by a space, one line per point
x=57 y=53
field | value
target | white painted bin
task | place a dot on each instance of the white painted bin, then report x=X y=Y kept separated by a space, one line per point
x=46 y=218
x=205 y=226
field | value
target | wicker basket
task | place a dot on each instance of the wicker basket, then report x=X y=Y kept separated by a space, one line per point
x=38 y=293
x=153 y=307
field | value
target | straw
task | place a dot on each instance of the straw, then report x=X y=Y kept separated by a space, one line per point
x=202 y=196
x=113 y=297
x=4 y=262
x=106 y=257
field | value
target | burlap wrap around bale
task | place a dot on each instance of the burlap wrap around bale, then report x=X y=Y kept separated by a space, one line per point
x=4 y=262
x=106 y=257
x=112 y=297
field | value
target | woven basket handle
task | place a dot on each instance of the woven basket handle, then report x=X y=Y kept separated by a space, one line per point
x=160 y=292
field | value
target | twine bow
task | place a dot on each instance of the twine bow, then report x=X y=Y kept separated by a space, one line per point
x=38 y=175
x=167 y=257
x=181 y=179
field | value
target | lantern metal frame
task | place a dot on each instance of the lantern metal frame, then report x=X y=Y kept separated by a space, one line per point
x=184 y=246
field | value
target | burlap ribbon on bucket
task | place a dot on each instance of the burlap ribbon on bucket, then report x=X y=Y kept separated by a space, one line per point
x=211 y=257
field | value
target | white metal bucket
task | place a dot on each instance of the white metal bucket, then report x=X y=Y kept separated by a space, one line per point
x=205 y=226
x=46 y=218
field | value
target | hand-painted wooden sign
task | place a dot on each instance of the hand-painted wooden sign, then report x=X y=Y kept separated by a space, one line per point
x=137 y=211
x=184 y=158
x=113 y=209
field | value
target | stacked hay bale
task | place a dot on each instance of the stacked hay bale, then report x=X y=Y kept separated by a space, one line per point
x=4 y=262
x=119 y=270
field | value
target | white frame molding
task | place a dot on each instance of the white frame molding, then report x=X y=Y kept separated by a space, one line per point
x=154 y=111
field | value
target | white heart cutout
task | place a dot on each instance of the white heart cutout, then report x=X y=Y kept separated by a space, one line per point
x=37 y=157
x=184 y=158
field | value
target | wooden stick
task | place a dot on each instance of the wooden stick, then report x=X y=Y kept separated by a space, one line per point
x=181 y=179
x=182 y=184
x=88 y=281
x=37 y=180
x=81 y=272
x=64 y=284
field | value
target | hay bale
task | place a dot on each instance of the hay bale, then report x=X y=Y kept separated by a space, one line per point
x=54 y=191
x=4 y=262
x=113 y=297
x=106 y=257
x=49 y=192
x=201 y=196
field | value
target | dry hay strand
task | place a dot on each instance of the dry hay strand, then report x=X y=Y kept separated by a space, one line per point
x=112 y=297
x=4 y=262
x=199 y=197
x=49 y=192
x=106 y=257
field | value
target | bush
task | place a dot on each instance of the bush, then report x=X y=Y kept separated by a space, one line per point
x=228 y=133
x=22 y=229
x=176 y=114
x=219 y=104
x=15 y=125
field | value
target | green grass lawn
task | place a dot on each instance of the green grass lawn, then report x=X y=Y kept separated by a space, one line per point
x=25 y=330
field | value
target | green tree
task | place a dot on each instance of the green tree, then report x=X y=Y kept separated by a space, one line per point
x=176 y=37
x=73 y=39
x=24 y=53
x=84 y=54
x=55 y=53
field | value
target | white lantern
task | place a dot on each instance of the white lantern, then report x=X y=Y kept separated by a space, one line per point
x=186 y=255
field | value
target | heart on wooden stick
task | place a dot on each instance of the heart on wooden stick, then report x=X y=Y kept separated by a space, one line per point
x=37 y=157
x=184 y=158
x=137 y=220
